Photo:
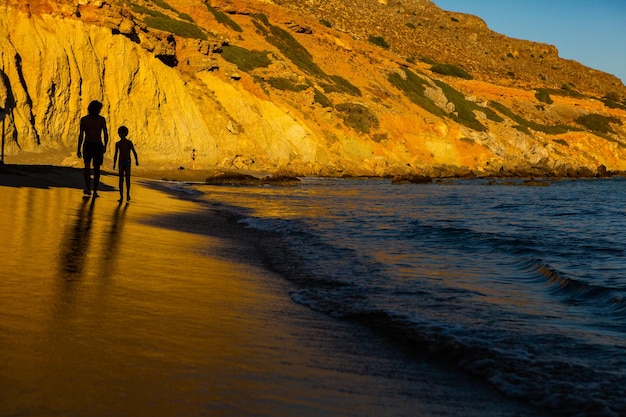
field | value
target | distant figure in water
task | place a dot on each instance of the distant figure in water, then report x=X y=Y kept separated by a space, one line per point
x=93 y=128
x=123 y=147
x=193 y=158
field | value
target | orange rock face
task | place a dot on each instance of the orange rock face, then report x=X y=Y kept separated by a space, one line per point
x=316 y=88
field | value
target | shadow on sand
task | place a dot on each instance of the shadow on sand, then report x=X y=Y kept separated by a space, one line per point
x=45 y=176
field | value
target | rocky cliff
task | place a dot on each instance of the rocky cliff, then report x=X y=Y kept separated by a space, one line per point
x=316 y=88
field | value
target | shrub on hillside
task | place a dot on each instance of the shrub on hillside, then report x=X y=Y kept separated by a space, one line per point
x=491 y=115
x=414 y=88
x=598 y=123
x=285 y=84
x=340 y=85
x=245 y=59
x=326 y=23
x=185 y=16
x=451 y=70
x=614 y=105
x=358 y=117
x=613 y=96
x=524 y=125
x=223 y=18
x=612 y=101
x=164 y=5
x=378 y=41
x=320 y=98
x=464 y=109
x=177 y=27
x=263 y=18
x=523 y=129
x=261 y=30
x=292 y=49
x=301 y=57
x=543 y=95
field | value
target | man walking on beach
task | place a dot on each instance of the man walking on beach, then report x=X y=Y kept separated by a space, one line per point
x=123 y=148
x=93 y=128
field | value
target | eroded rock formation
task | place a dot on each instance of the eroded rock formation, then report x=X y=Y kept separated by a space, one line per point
x=345 y=106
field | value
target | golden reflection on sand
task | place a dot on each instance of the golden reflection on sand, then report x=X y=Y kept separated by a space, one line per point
x=110 y=307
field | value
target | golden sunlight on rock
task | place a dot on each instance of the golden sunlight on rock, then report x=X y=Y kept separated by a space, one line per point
x=314 y=98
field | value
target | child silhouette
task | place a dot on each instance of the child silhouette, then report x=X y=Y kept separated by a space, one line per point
x=123 y=147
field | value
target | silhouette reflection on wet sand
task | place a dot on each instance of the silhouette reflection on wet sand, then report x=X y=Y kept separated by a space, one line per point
x=113 y=239
x=76 y=241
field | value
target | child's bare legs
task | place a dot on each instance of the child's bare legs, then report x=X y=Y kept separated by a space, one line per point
x=127 y=169
x=124 y=171
x=121 y=182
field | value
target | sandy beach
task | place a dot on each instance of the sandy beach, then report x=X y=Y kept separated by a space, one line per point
x=164 y=307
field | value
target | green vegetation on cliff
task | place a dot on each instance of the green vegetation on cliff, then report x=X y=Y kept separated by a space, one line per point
x=177 y=27
x=463 y=109
x=320 y=98
x=223 y=18
x=378 y=41
x=245 y=59
x=286 y=84
x=358 y=117
x=301 y=57
x=611 y=100
x=524 y=125
x=292 y=49
x=340 y=85
x=598 y=123
x=414 y=88
x=543 y=94
x=155 y=19
x=451 y=70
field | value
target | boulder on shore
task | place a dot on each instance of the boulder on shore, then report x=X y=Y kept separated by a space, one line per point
x=412 y=179
x=236 y=178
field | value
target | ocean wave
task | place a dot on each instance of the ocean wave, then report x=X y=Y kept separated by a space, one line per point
x=521 y=364
x=574 y=291
x=509 y=292
x=517 y=368
x=447 y=234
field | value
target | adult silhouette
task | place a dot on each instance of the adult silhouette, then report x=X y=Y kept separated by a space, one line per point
x=93 y=129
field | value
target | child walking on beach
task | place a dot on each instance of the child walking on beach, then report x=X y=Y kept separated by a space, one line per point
x=123 y=147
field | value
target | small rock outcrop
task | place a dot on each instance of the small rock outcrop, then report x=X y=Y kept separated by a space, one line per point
x=412 y=179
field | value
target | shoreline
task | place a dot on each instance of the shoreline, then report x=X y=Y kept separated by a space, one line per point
x=66 y=159
x=171 y=310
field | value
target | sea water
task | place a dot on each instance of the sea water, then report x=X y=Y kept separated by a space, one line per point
x=522 y=285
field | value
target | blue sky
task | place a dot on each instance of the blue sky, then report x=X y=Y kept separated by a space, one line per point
x=592 y=32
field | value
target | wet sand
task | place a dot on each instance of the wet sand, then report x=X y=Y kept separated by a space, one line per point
x=163 y=307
